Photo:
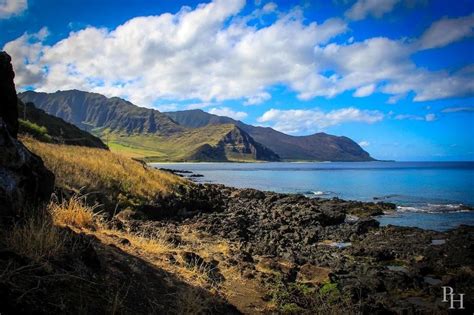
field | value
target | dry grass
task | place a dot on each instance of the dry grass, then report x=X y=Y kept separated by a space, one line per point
x=76 y=167
x=73 y=212
x=37 y=238
x=150 y=245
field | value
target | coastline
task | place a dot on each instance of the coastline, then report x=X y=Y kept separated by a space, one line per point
x=285 y=237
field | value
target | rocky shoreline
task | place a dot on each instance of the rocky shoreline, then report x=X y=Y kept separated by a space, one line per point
x=287 y=239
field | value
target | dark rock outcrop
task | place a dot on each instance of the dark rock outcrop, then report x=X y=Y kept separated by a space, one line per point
x=8 y=110
x=24 y=180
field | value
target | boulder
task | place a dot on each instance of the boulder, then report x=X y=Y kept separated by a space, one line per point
x=24 y=180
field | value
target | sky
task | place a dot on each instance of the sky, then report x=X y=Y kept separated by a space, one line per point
x=396 y=76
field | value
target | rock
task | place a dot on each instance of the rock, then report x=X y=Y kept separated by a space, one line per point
x=24 y=180
x=8 y=98
x=192 y=259
x=313 y=274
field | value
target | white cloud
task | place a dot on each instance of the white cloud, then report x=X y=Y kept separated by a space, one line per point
x=270 y=7
x=428 y=117
x=364 y=144
x=200 y=105
x=459 y=109
x=9 y=8
x=167 y=107
x=228 y=112
x=446 y=31
x=303 y=121
x=210 y=54
x=258 y=98
x=363 y=8
x=364 y=91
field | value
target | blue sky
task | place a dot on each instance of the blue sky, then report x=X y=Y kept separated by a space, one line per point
x=394 y=75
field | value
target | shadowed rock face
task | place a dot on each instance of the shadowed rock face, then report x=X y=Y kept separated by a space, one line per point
x=24 y=180
x=8 y=109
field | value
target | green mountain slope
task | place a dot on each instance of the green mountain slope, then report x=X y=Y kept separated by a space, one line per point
x=319 y=146
x=48 y=128
x=147 y=133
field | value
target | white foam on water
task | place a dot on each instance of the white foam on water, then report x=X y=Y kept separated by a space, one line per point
x=434 y=208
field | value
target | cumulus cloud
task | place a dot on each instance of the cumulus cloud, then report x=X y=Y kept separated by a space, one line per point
x=459 y=109
x=212 y=54
x=364 y=144
x=446 y=31
x=303 y=121
x=228 y=112
x=363 y=8
x=9 y=8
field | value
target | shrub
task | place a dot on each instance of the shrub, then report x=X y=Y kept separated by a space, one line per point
x=73 y=212
x=37 y=238
x=36 y=131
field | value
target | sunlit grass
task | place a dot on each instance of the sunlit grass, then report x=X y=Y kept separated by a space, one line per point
x=78 y=167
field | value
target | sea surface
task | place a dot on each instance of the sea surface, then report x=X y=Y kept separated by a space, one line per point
x=429 y=195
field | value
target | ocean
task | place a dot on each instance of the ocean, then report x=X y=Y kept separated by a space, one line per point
x=429 y=195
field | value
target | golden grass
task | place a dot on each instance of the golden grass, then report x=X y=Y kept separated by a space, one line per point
x=78 y=167
x=150 y=245
x=73 y=212
x=37 y=238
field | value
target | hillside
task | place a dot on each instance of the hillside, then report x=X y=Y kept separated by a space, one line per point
x=146 y=133
x=210 y=143
x=91 y=110
x=319 y=146
x=48 y=128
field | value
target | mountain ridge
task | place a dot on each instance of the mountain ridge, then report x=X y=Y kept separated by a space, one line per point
x=147 y=133
x=115 y=119
x=319 y=146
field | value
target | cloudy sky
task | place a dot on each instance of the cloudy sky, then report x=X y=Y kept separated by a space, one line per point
x=394 y=75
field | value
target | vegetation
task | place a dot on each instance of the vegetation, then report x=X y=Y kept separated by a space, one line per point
x=88 y=170
x=171 y=148
x=36 y=131
x=73 y=212
x=297 y=298
x=38 y=238
x=47 y=128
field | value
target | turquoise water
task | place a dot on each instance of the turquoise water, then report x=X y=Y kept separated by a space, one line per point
x=430 y=195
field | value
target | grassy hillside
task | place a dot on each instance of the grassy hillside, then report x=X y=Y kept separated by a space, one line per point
x=184 y=146
x=48 y=128
x=118 y=180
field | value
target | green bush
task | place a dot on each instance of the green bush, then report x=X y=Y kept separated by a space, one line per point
x=36 y=131
x=300 y=298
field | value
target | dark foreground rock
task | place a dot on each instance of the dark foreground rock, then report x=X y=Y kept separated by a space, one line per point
x=24 y=180
x=293 y=244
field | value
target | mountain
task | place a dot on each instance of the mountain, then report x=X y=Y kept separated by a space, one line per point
x=92 y=110
x=44 y=127
x=147 y=133
x=319 y=146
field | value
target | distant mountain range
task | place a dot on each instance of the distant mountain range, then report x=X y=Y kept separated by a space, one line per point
x=316 y=147
x=191 y=135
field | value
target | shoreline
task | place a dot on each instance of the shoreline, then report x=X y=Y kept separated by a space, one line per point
x=403 y=214
x=296 y=237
